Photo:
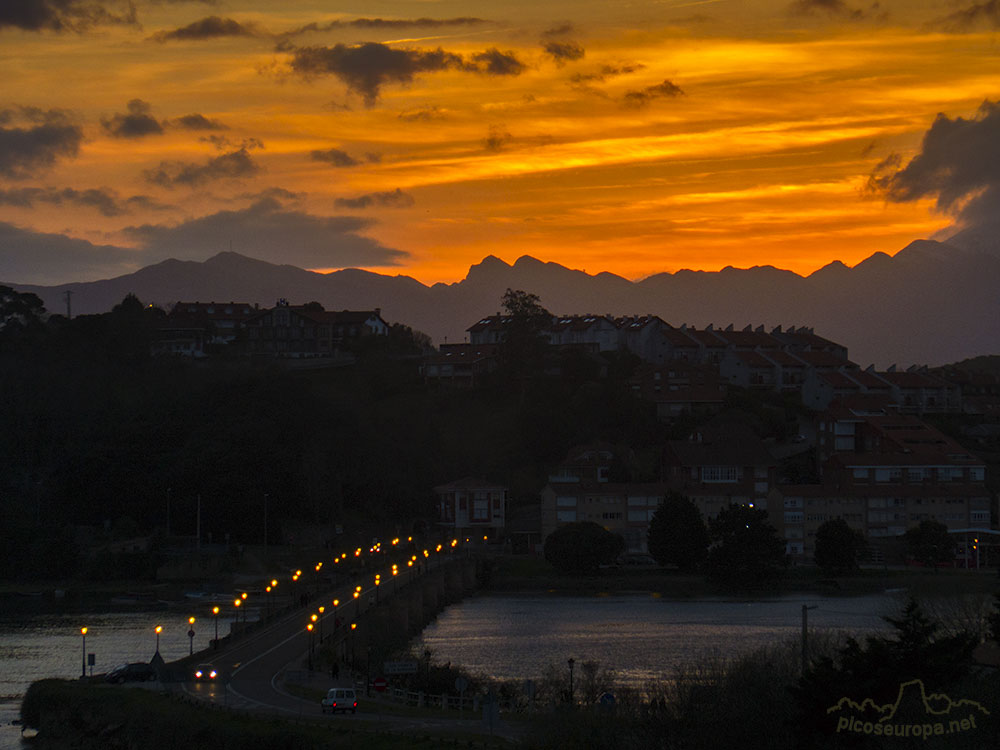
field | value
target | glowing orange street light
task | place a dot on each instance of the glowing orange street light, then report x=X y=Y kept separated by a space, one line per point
x=83 y=667
x=191 y=635
x=159 y=629
x=215 y=611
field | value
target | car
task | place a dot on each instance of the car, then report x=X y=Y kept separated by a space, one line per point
x=205 y=673
x=340 y=699
x=134 y=672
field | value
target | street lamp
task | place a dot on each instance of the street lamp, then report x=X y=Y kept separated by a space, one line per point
x=309 y=627
x=83 y=667
x=159 y=629
x=237 y=603
x=191 y=636
x=321 y=611
x=571 y=662
x=378 y=581
x=215 y=611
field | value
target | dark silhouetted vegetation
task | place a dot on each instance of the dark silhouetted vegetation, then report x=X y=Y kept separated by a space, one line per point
x=746 y=549
x=582 y=547
x=839 y=548
x=677 y=533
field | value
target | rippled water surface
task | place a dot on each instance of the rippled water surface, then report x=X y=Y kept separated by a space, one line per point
x=36 y=647
x=641 y=638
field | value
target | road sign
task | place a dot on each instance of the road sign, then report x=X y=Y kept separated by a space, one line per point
x=379 y=684
x=400 y=667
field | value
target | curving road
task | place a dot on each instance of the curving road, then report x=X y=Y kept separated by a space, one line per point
x=254 y=667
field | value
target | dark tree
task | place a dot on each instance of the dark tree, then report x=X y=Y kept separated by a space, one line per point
x=21 y=313
x=930 y=543
x=677 y=533
x=875 y=670
x=523 y=348
x=993 y=621
x=582 y=547
x=838 y=547
x=746 y=548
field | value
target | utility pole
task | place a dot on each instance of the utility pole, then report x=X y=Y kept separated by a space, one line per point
x=805 y=635
x=69 y=310
x=198 y=525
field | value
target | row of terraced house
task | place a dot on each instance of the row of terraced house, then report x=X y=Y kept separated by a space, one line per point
x=690 y=369
x=196 y=329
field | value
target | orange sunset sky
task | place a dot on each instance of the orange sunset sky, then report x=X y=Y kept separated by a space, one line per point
x=417 y=136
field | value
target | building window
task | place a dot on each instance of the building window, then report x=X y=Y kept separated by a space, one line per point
x=720 y=474
x=566 y=516
x=480 y=510
x=566 y=502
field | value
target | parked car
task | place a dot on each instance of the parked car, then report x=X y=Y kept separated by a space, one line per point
x=135 y=672
x=205 y=673
x=340 y=699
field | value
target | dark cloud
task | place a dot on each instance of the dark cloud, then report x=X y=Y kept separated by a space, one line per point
x=65 y=15
x=196 y=121
x=269 y=231
x=958 y=165
x=838 y=9
x=972 y=17
x=232 y=165
x=334 y=157
x=493 y=62
x=365 y=68
x=273 y=194
x=606 y=72
x=36 y=141
x=425 y=115
x=393 y=199
x=104 y=199
x=137 y=123
x=387 y=24
x=563 y=52
x=667 y=89
x=560 y=30
x=28 y=257
x=210 y=27
x=497 y=139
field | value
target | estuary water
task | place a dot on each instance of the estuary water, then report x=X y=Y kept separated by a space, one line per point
x=642 y=638
x=34 y=647
x=510 y=636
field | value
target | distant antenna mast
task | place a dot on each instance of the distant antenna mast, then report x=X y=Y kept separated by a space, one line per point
x=69 y=308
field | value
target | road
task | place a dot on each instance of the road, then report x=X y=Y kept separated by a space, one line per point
x=253 y=671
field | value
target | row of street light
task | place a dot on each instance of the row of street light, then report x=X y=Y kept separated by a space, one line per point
x=240 y=602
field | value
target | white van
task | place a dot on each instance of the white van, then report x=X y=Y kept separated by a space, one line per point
x=340 y=699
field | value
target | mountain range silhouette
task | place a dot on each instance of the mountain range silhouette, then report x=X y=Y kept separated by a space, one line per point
x=931 y=303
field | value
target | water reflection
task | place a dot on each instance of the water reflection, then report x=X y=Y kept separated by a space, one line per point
x=641 y=638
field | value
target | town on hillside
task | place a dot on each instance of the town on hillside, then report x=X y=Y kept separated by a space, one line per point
x=881 y=451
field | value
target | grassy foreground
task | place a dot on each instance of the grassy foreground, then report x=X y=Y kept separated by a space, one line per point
x=89 y=716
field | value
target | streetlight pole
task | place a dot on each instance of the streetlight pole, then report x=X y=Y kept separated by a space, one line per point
x=159 y=629
x=191 y=636
x=571 y=662
x=83 y=666
x=215 y=611
x=321 y=611
x=309 y=627
x=805 y=635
